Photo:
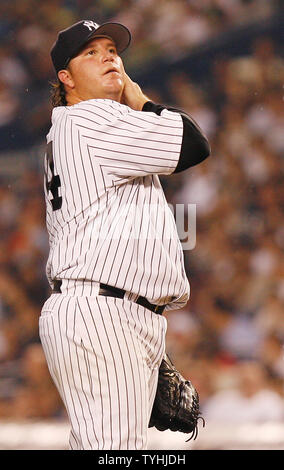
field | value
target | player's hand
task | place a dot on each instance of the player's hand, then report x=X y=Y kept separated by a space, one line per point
x=132 y=94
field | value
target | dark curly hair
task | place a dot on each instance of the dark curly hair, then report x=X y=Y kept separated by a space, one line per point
x=58 y=94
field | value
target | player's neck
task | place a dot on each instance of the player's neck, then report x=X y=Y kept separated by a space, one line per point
x=74 y=99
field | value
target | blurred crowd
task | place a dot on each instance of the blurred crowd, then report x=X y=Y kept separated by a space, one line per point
x=229 y=338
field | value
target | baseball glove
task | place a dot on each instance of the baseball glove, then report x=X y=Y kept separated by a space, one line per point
x=176 y=405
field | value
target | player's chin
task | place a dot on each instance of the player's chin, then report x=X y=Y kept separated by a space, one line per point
x=114 y=84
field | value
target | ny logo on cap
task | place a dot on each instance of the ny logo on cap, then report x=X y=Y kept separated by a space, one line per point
x=90 y=25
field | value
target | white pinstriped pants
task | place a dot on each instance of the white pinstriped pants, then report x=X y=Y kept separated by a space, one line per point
x=103 y=354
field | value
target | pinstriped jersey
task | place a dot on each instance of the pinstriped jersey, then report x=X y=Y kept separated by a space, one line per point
x=106 y=213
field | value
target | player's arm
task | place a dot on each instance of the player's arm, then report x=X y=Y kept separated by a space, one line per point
x=195 y=147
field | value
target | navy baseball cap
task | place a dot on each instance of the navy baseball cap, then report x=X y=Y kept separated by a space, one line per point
x=71 y=40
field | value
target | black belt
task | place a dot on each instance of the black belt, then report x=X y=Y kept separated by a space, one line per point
x=109 y=291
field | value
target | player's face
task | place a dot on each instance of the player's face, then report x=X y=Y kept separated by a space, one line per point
x=96 y=72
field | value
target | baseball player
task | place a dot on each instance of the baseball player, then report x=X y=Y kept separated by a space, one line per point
x=115 y=262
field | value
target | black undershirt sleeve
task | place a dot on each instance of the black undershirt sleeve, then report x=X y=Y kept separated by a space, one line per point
x=195 y=147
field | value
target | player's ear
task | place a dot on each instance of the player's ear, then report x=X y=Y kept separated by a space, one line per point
x=66 y=78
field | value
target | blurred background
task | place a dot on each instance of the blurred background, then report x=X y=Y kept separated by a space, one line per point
x=222 y=62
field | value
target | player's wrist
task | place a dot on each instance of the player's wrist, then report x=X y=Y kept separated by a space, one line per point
x=137 y=101
x=141 y=102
